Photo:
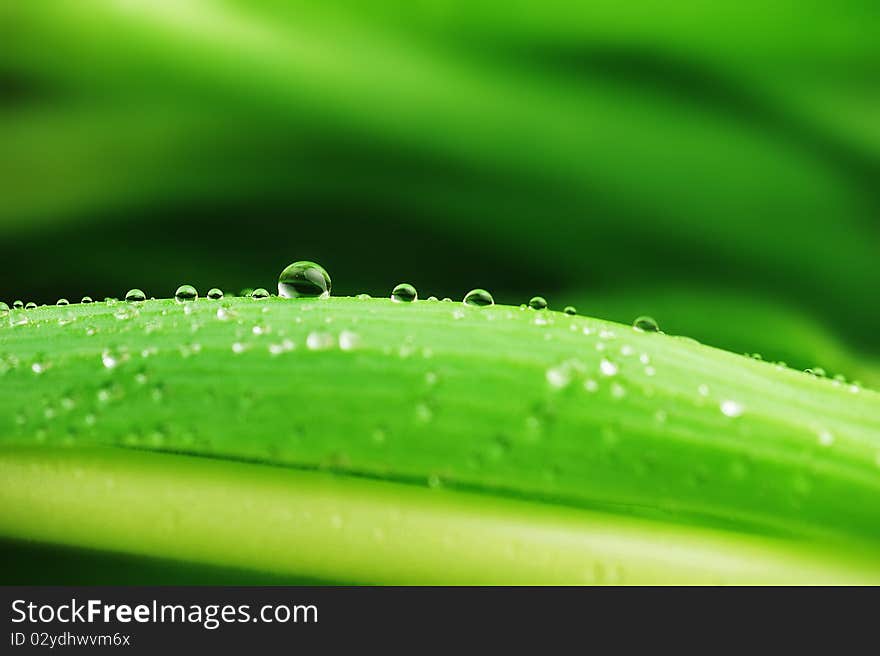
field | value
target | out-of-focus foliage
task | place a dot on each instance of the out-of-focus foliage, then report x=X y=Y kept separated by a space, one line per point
x=614 y=151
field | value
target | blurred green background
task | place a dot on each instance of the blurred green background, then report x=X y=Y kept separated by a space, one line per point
x=714 y=165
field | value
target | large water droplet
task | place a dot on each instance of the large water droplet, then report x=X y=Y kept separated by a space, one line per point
x=135 y=296
x=304 y=279
x=17 y=305
x=404 y=293
x=30 y=306
x=538 y=303
x=86 y=299
x=185 y=293
x=259 y=293
x=646 y=324
x=479 y=298
x=571 y=310
x=215 y=294
x=62 y=301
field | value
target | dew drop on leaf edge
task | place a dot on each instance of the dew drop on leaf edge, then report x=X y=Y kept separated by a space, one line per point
x=304 y=279
x=404 y=293
x=646 y=324
x=135 y=296
x=478 y=298
x=538 y=303
x=185 y=294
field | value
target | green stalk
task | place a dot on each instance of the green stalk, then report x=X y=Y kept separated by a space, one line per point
x=345 y=528
x=551 y=429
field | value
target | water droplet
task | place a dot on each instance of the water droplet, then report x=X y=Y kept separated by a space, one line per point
x=538 y=303
x=433 y=299
x=17 y=305
x=363 y=297
x=618 y=391
x=591 y=385
x=30 y=306
x=62 y=301
x=424 y=413
x=124 y=313
x=135 y=296
x=570 y=309
x=86 y=299
x=731 y=408
x=259 y=293
x=646 y=324
x=478 y=298
x=215 y=294
x=607 y=368
x=446 y=299
x=110 y=359
x=826 y=438
x=306 y=279
x=404 y=293
x=4 y=309
x=185 y=293
x=559 y=377
x=38 y=368
x=317 y=341
x=348 y=340
x=225 y=313
x=237 y=347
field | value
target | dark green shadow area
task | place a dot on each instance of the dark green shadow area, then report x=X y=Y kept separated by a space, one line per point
x=30 y=563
